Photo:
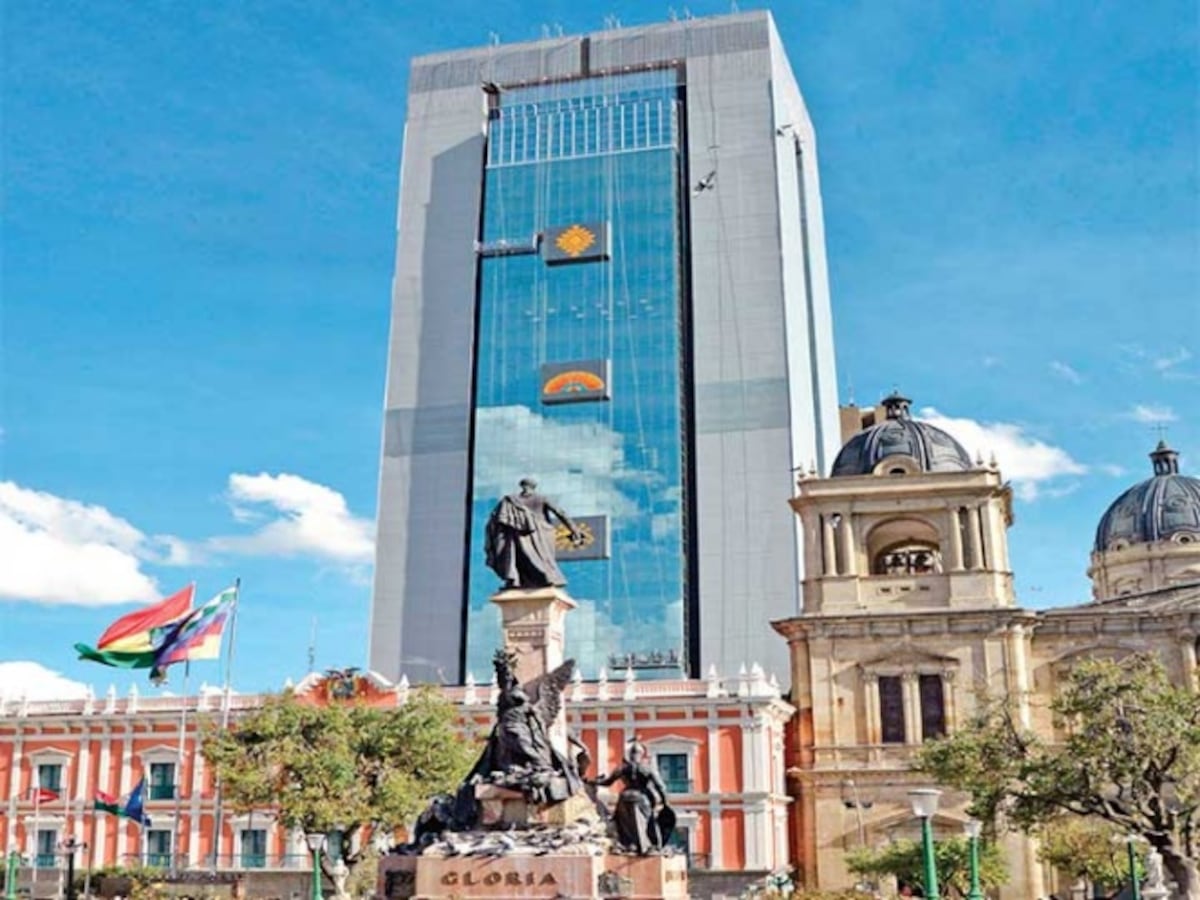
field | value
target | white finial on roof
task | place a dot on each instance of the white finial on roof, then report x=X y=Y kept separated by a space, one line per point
x=470 y=695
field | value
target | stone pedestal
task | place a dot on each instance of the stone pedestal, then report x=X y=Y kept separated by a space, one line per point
x=550 y=876
x=501 y=807
x=532 y=620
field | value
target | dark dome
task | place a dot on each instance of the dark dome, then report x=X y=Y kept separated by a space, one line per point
x=1160 y=508
x=900 y=435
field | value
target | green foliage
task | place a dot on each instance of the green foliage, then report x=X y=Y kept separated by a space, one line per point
x=341 y=766
x=1129 y=755
x=902 y=860
x=1085 y=848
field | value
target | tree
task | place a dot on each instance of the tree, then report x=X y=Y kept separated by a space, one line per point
x=345 y=767
x=1129 y=755
x=1085 y=848
x=902 y=860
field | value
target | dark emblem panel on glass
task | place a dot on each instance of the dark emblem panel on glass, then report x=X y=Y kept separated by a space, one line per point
x=590 y=541
x=575 y=382
x=577 y=242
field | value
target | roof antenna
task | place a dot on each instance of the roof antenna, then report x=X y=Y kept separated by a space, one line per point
x=312 y=646
x=850 y=392
x=671 y=14
x=494 y=38
x=733 y=6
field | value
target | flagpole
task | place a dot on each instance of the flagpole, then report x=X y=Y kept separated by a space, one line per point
x=187 y=668
x=91 y=853
x=217 y=829
x=37 y=810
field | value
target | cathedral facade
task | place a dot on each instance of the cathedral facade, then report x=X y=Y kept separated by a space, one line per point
x=909 y=615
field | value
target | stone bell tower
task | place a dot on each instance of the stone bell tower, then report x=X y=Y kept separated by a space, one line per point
x=906 y=521
x=908 y=611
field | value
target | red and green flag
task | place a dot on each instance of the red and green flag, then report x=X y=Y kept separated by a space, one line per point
x=106 y=803
x=132 y=641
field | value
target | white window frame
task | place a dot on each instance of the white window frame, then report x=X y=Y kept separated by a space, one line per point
x=679 y=745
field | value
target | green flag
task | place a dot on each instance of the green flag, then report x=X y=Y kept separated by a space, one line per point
x=121 y=659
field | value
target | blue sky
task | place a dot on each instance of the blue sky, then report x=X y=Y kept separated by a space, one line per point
x=198 y=232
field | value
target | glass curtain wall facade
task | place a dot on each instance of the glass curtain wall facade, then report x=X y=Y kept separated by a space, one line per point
x=579 y=370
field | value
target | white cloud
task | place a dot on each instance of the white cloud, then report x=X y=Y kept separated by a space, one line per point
x=56 y=550
x=1149 y=414
x=1113 y=469
x=1063 y=370
x=580 y=464
x=1028 y=462
x=25 y=678
x=300 y=518
x=1168 y=364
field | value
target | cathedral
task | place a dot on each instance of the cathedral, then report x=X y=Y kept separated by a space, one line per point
x=909 y=614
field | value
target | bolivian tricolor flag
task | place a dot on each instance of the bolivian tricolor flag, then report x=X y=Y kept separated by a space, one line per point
x=132 y=641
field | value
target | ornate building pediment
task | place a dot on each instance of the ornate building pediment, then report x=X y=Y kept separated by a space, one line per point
x=909 y=659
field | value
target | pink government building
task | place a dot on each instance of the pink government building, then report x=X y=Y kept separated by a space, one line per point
x=718 y=743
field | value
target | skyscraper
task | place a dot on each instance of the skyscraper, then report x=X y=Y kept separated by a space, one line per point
x=610 y=275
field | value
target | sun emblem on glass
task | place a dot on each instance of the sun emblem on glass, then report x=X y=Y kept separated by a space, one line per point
x=575 y=240
x=575 y=381
x=562 y=537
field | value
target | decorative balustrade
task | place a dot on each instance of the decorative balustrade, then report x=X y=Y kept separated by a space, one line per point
x=625 y=687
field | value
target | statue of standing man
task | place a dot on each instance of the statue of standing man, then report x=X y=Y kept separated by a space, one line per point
x=519 y=542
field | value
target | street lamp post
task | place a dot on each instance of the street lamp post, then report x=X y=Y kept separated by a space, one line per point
x=973 y=827
x=924 y=805
x=1134 y=887
x=68 y=848
x=10 y=875
x=316 y=843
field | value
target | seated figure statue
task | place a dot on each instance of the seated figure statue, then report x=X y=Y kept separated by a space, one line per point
x=639 y=829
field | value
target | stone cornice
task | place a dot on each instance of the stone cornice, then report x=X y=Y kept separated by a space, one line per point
x=903 y=623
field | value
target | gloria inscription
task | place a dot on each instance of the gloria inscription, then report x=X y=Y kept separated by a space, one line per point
x=491 y=879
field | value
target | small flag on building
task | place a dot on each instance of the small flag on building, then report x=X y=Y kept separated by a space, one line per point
x=134 y=808
x=106 y=803
x=131 y=641
x=131 y=809
x=43 y=795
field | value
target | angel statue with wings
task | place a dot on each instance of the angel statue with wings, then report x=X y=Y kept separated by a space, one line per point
x=519 y=753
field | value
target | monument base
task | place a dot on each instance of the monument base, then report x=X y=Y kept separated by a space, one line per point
x=500 y=807
x=551 y=876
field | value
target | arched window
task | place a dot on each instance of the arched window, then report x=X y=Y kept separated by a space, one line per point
x=907 y=546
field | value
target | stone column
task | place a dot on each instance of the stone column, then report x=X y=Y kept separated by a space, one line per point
x=871 y=692
x=533 y=620
x=849 y=550
x=975 y=537
x=949 y=707
x=1019 y=661
x=912 y=708
x=956 y=544
x=831 y=566
x=1187 y=652
x=989 y=539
